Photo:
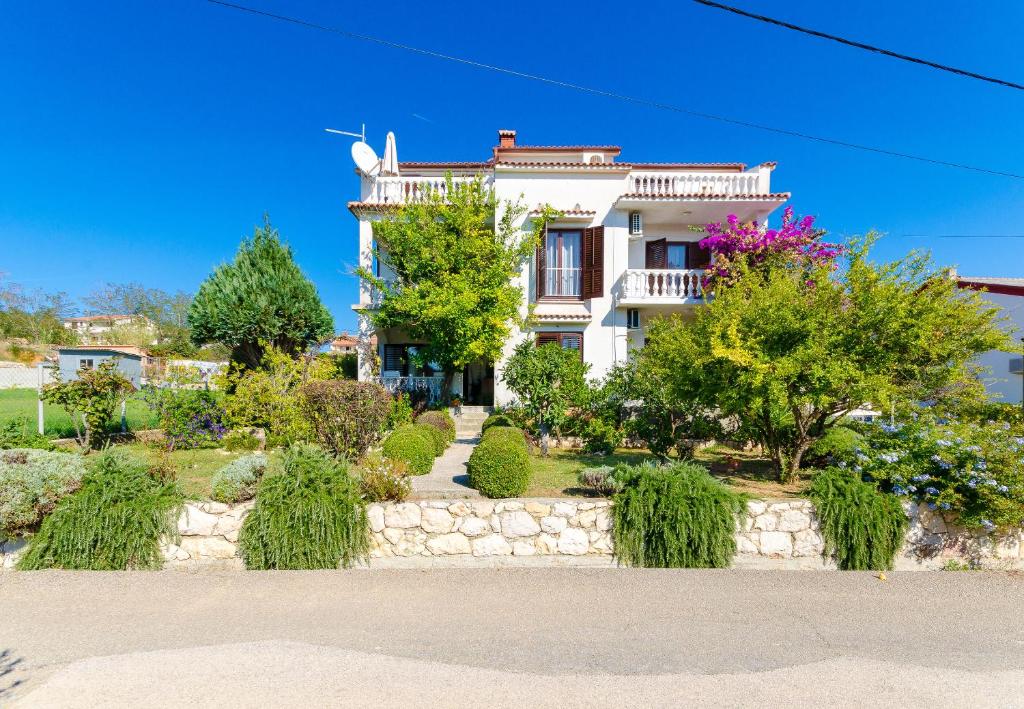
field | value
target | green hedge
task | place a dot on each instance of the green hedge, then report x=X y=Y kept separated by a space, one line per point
x=674 y=516
x=499 y=420
x=441 y=420
x=412 y=445
x=500 y=463
x=438 y=440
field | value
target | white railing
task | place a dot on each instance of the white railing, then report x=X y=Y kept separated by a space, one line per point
x=655 y=283
x=430 y=385
x=665 y=184
x=562 y=281
x=399 y=190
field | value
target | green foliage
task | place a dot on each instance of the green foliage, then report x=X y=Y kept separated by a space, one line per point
x=308 y=516
x=787 y=351
x=384 y=479
x=500 y=420
x=970 y=470
x=412 y=445
x=32 y=482
x=268 y=397
x=19 y=432
x=190 y=418
x=166 y=313
x=90 y=400
x=674 y=516
x=500 y=464
x=839 y=443
x=863 y=528
x=548 y=380
x=454 y=273
x=348 y=365
x=601 y=479
x=441 y=420
x=601 y=438
x=347 y=417
x=240 y=440
x=401 y=411
x=261 y=299
x=237 y=481
x=114 y=522
x=437 y=438
x=34 y=316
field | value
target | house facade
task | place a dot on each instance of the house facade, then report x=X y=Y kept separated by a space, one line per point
x=133 y=363
x=623 y=252
x=1004 y=380
x=90 y=328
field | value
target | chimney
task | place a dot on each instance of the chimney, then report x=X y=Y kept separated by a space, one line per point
x=506 y=139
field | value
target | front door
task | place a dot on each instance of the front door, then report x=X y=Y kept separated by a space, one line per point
x=478 y=384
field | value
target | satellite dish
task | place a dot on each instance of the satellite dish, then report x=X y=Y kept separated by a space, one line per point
x=366 y=160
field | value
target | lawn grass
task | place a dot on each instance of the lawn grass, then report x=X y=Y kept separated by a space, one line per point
x=556 y=475
x=22 y=403
x=195 y=467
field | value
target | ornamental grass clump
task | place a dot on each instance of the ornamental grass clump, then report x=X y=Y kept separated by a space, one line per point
x=441 y=420
x=412 y=445
x=863 y=527
x=114 y=522
x=500 y=464
x=674 y=516
x=32 y=482
x=237 y=481
x=308 y=516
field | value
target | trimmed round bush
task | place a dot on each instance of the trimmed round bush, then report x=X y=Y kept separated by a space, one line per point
x=237 y=481
x=412 y=445
x=437 y=437
x=500 y=464
x=32 y=482
x=500 y=420
x=441 y=420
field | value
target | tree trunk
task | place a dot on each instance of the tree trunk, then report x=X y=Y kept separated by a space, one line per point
x=446 y=385
x=545 y=439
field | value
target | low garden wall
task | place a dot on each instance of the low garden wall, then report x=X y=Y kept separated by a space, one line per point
x=780 y=534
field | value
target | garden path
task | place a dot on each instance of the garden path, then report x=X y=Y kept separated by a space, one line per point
x=448 y=477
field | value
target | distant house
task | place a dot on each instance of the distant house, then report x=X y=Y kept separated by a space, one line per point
x=1005 y=382
x=344 y=343
x=91 y=327
x=132 y=362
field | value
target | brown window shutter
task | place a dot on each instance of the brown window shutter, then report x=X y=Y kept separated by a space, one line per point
x=593 y=262
x=657 y=254
x=542 y=262
x=696 y=257
x=546 y=338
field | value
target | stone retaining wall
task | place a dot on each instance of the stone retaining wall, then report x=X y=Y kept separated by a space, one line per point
x=779 y=534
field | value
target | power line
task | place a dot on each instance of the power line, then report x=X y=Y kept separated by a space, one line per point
x=606 y=94
x=860 y=45
x=962 y=236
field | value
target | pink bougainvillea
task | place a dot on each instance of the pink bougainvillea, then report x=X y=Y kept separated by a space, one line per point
x=796 y=241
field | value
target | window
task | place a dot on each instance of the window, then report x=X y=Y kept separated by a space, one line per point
x=636 y=223
x=632 y=319
x=86 y=363
x=675 y=256
x=400 y=361
x=568 y=340
x=562 y=263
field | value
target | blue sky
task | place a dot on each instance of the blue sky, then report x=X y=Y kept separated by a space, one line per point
x=141 y=140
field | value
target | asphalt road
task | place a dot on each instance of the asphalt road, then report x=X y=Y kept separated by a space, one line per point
x=511 y=637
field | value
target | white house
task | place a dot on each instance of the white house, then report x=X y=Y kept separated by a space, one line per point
x=1005 y=380
x=624 y=252
x=92 y=327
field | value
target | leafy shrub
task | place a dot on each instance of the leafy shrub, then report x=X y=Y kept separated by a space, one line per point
x=412 y=445
x=384 y=479
x=90 y=400
x=437 y=438
x=863 y=528
x=675 y=516
x=500 y=464
x=401 y=411
x=971 y=470
x=115 y=521
x=601 y=479
x=503 y=420
x=348 y=365
x=347 y=416
x=32 y=482
x=20 y=433
x=601 y=438
x=190 y=418
x=839 y=443
x=441 y=420
x=240 y=440
x=237 y=481
x=308 y=516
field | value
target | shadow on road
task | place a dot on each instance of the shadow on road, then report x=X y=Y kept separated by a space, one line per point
x=8 y=664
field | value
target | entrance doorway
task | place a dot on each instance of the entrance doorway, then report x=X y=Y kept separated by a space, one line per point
x=478 y=384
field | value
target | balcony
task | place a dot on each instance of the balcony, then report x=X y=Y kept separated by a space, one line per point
x=673 y=184
x=402 y=190
x=656 y=286
x=430 y=387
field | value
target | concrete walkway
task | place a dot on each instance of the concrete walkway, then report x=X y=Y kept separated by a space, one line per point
x=448 y=477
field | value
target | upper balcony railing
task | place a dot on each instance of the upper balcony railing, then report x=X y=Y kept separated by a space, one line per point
x=667 y=184
x=662 y=286
x=401 y=190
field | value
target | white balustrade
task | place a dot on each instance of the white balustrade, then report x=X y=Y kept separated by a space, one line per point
x=667 y=184
x=400 y=190
x=640 y=284
x=430 y=385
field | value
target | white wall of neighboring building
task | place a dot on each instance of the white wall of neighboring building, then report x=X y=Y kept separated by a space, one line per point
x=1001 y=383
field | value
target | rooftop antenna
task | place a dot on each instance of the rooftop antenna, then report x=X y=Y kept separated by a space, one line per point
x=362 y=154
x=361 y=136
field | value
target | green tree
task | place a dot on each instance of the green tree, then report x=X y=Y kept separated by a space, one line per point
x=262 y=298
x=90 y=400
x=787 y=351
x=548 y=380
x=454 y=264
